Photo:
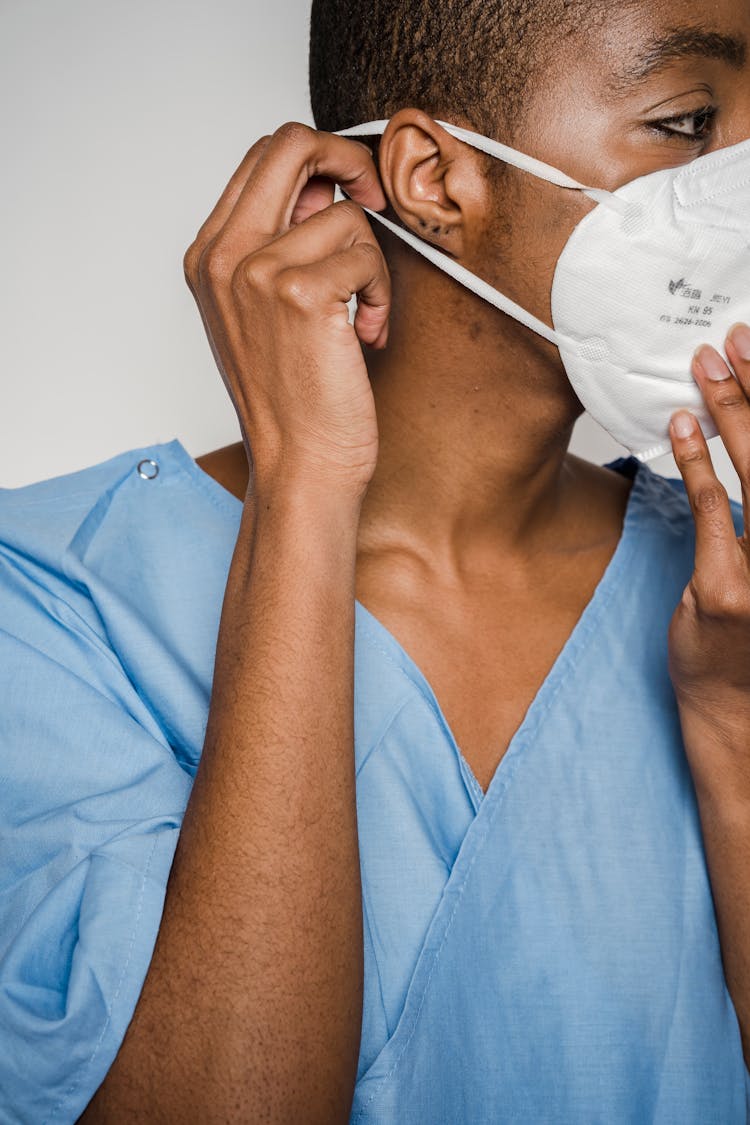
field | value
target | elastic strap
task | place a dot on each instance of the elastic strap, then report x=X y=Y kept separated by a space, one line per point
x=471 y=281
x=453 y=268
x=509 y=155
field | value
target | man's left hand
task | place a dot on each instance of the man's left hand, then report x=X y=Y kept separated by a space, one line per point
x=709 y=635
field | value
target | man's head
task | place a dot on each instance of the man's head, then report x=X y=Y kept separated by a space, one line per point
x=604 y=91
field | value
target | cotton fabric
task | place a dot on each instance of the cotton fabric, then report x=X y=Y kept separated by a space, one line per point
x=544 y=952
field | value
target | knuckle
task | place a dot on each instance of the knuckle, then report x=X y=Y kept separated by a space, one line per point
x=253 y=273
x=730 y=399
x=353 y=213
x=256 y=150
x=724 y=600
x=708 y=498
x=372 y=253
x=689 y=456
x=213 y=266
x=708 y=604
x=190 y=264
x=295 y=290
x=294 y=133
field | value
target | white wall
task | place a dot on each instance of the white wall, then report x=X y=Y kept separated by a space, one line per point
x=120 y=124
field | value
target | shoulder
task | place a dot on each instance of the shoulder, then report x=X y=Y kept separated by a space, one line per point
x=45 y=515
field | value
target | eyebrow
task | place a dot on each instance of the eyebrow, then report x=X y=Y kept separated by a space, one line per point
x=681 y=43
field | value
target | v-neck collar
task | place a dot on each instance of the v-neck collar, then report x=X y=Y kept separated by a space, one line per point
x=370 y=628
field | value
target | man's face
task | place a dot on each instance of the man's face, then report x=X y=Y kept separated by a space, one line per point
x=648 y=86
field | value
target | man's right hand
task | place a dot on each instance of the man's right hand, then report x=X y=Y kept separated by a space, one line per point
x=252 y=1005
x=272 y=271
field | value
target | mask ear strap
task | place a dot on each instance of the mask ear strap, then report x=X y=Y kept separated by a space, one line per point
x=508 y=155
x=471 y=281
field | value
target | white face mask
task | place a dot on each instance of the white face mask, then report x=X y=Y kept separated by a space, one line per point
x=659 y=267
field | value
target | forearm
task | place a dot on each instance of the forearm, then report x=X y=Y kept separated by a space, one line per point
x=251 y=1009
x=722 y=784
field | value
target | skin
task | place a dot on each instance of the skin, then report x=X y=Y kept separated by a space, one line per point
x=421 y=463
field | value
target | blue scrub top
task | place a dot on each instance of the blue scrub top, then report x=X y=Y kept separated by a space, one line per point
x=544 y=952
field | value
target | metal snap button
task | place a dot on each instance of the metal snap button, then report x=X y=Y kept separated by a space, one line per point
x=148 y=469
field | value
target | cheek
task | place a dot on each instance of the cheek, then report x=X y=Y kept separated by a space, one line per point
x=522 y=246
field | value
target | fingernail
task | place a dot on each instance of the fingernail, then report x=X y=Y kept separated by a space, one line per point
x=683 y=424
x=712 y=363
x=739 y=334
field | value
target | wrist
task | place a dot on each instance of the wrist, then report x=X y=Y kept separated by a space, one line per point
x=296 y=523
x=324 y=480
x=717 y=747
x=313 y=510
x=305 y=489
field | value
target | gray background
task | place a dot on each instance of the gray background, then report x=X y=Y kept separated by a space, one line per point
x=120 y=125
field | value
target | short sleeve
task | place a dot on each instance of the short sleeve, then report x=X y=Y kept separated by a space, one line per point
x=91 y=802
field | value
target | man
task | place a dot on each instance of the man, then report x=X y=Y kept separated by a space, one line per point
x=414 y=559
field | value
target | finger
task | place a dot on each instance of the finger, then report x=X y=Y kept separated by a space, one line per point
x=317 y=193
x=715 y=535
x=327 y=235
x=357 y=270
x=326 y=286
x=222 y=210
x=295 y=154
x=729 y=407
x=336 y=227
x=738 y=350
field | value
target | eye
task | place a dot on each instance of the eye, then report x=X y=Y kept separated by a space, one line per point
x=695 y=126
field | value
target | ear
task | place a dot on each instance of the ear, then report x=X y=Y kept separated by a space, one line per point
x=434 y=182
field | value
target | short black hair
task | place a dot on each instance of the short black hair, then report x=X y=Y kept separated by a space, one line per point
x=473 y=58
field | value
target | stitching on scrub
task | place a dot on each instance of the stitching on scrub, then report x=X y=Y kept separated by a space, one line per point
x=474 y=784
x=51 y=501
x=498 y=795
x=386 y=728
x=83 y=630
x=375 y=643
x=436 y=956
x=367 y=911
x=96 y=647
x=72 y=1089
x=220 y=497
x=459 y=896
x=216 y=501
x=427 y=697
x=47 y=658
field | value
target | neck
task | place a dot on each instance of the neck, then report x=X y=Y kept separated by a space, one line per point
x=474 y=431
x=474 y=426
